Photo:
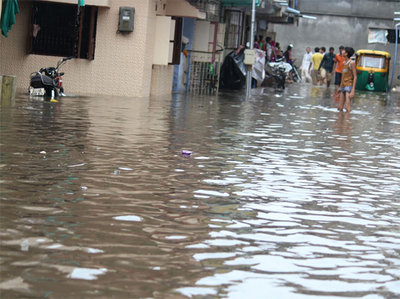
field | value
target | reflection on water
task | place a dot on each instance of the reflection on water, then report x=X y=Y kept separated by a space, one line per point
x=283 y=195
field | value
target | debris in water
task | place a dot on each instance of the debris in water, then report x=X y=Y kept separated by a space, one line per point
x=25 y=245
x=186 y=153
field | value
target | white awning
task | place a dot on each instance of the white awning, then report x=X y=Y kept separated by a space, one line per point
x=103 y=3
x=182 y=8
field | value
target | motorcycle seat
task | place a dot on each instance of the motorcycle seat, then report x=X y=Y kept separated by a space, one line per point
x=39 y=80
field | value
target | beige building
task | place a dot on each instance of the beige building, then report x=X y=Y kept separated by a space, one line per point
x=138 y=62
x=132 y=63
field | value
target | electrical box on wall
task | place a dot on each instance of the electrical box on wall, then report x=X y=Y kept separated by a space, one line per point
x=249 y=57
x=126 y=17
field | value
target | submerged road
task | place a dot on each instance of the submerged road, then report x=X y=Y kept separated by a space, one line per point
x=283 y=197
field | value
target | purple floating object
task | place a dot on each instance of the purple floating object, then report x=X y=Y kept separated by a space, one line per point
x=186 y=153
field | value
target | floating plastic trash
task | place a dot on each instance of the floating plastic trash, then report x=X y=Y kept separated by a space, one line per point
x=128 y=218
x=86 y=273
x=25 y=245
x=186 y=153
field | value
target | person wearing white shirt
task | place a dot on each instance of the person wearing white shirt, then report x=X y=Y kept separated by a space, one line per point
x=305 y=74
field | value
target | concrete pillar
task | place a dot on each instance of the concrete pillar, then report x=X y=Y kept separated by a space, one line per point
x=8 y=88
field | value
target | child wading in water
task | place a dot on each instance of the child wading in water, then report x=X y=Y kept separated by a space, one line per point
x=349 y=80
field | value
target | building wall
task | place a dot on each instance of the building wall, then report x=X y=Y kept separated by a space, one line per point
x=122 y=64
x=339 y=22
x=161 y=80
x=375 y=9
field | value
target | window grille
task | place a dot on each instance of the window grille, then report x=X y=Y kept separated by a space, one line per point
x=55 y=30
x=234 y=29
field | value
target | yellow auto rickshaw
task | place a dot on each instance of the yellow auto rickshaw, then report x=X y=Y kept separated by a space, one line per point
x=372 y=70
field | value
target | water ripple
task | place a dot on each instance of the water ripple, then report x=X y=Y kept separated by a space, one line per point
x=282 y=196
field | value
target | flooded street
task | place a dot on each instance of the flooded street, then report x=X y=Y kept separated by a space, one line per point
x=283 y=197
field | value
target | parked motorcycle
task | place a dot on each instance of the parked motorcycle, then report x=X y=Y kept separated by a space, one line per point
x=47 y=82
x=279 y=70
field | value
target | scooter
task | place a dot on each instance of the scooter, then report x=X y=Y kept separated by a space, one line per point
x=47 y=82
x=279 y=70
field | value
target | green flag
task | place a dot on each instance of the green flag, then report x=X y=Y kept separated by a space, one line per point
x=81 y=2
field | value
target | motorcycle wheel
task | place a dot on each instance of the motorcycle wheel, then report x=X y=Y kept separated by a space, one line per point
x=296 y=75
x=48 y=90
x=280 y=81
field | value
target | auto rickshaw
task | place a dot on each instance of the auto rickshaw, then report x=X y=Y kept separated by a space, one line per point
x=372 y=70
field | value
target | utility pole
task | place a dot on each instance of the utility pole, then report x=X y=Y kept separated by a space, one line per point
x=395 y=49
x=250 y=67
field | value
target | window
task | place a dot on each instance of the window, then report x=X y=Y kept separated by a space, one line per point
x=391 y=37
x=234 y=29
x=168 y=37
x=372 y=61
x=57 y=29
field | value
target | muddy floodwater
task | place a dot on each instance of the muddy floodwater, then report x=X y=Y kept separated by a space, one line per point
x=283 y=197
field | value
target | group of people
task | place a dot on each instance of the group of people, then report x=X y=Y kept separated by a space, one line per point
x=320 y=67
x=272 y=50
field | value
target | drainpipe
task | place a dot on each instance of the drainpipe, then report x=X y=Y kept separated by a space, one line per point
x=253 y=20
x=395 y=57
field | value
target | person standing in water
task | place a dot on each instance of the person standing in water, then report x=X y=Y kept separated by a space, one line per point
x=305 y=73
x=315 y=62
x=289 y=59
x=337 y=68
x=349 y=80
x=327 y=66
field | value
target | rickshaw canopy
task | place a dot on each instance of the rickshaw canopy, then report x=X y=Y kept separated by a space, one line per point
x=372 y=52
x=370 y=60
